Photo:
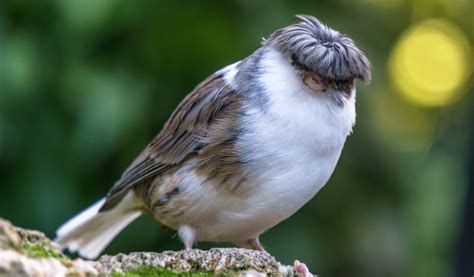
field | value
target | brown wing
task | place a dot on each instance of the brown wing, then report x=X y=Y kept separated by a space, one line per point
x=182 y=136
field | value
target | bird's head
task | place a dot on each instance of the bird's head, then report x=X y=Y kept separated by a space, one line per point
x=324 y=59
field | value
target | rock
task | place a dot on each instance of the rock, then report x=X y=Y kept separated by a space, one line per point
x=30 y=253
x=213 y=261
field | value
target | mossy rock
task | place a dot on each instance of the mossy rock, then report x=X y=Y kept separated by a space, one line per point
x=30 y=253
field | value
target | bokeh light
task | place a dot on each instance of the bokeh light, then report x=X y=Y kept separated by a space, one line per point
x=431 y=63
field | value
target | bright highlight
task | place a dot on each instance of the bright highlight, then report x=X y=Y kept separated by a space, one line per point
x=431 y=63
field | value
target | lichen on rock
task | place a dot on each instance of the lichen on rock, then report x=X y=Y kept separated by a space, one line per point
x=30 y=253
x=31 y=243
x=222 y=261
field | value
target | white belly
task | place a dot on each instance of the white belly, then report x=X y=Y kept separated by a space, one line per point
x=291 y=147
x=289 y=164
x=285 y=175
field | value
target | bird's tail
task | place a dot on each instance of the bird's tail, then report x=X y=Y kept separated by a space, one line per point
x=89 y=232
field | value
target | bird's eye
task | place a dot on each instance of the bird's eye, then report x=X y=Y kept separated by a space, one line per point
x=314 y=82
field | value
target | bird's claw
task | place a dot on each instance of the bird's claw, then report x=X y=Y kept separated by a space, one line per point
x=302 y=269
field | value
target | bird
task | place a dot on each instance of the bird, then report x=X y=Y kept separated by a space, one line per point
x=244 y=150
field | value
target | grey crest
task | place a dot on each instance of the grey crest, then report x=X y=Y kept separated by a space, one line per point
x=321 y=49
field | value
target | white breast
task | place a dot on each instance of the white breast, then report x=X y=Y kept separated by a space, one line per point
x=295 y=143
x=291 y=145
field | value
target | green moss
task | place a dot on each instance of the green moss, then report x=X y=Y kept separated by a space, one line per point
x=38 y=251
x=159 y=271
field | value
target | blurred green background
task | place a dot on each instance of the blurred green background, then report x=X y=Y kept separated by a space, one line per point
x=85 y=85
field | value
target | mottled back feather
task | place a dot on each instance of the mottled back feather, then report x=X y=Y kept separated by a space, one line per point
x=183 y=135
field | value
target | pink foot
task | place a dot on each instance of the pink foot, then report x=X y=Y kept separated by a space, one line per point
x=187 y=235
x=302 y=269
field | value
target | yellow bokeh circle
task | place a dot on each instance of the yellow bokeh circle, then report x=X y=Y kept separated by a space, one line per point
x=431 y=63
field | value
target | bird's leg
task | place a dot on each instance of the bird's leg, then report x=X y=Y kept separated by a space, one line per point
x=299 y=267
x=187 y=235
x=254 y=244
x=302 y=269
